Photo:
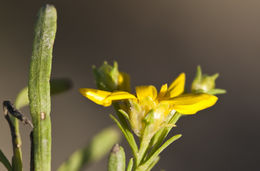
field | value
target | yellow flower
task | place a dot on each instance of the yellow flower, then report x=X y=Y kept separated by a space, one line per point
x=148 y=102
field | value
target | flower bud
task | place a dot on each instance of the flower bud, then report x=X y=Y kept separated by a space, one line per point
x=108 y=78
x=204 y=83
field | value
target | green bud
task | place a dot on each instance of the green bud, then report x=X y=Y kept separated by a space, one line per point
x=204 y=83
x=108 y=78
x=117 y=159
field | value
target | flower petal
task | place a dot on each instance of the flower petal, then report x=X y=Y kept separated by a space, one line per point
x=177 y=86
x=97 y=96
x=163 y=91
x=146 y=91
x=105 y=98
x=119 y=95
x=192 y=103
x=124 y=81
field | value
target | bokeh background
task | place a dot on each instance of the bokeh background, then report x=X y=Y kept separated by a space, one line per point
x=153 y=41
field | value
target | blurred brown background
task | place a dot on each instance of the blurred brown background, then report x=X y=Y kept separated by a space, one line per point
x=153 y=41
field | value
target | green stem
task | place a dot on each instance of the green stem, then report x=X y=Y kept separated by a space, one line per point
x=16 y=140
x=127 y=137
x=144 y=161
x=130 y=165
x=142 y=151
x=161 y=135
x=17 y=151
x=154 y=157
x=17 y=144
x=39 y=86
x=5 y=161
x=125 y=128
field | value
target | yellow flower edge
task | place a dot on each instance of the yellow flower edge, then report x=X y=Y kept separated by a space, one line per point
x=189 y=104
x=104 y=98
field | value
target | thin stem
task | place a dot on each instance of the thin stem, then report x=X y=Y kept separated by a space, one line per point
x=5 y=161
x=142 y=151
x=153 y=157
x=17 y=164
x=126 y=130
x=161 y=135
x=130 y=141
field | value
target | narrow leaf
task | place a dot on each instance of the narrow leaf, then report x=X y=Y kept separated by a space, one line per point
x=128 y=136
x=217 y=91
x=39 y=86
x=130 y=165
x=5 y=161
x=160 y=136
x=156 y=160
x=151 y=159
x=124 y=113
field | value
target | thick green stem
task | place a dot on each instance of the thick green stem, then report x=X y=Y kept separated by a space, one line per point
x=39 y=86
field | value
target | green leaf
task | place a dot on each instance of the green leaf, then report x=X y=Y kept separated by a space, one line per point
x=5 y=161
x=22 y=98
x=128 y=136
x=160 y=136
x=95 y=150
x=156 y=160
x=39 y=86
x=130 y=165
x=217 y=91
x=125 y=128
x=145 y=139
x=154 y=155
x=124 y=113
x=116 y=161
x=58 y=85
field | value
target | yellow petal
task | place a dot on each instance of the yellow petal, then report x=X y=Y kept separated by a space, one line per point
x=177 y=86
x=104 y=98
x=163 y=91
x=146 y=91
x=124 y=81
x=192 y=103
x=119 y=95
x=97 y=96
